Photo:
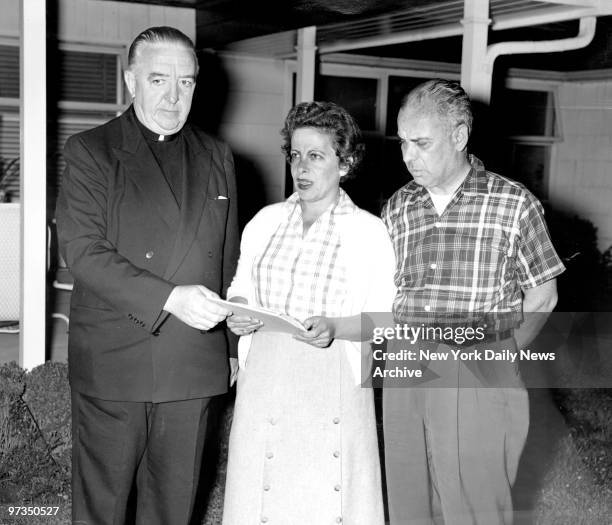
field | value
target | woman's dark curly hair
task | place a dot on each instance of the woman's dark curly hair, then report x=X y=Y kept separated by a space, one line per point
x=336 y=122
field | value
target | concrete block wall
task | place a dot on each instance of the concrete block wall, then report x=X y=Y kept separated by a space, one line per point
x=581 y=174
x=256 y=108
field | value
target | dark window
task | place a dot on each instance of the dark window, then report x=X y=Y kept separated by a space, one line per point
x=9 y=135
x=383 y=170
x=381 y=173
x=87 y=77
x=80 y=76
x=528 y=164
x=74 y=76
x=528 y=121
x=9 y=71
x=356 y=95
x=526 y=113
x=399 y=87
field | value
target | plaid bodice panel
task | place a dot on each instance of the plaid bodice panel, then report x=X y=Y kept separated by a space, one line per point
x=301 y=274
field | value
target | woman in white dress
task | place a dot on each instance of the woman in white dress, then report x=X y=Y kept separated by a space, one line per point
x=303 y=447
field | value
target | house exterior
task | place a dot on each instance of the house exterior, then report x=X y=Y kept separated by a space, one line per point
x=564 y=152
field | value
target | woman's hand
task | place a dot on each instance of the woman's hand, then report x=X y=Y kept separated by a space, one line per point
x=320 y=332
x=242 y=325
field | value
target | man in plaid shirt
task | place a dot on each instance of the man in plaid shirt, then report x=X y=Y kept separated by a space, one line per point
x=472 y=248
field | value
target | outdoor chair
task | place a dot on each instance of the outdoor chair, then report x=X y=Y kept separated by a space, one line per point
x=62 y=281
x=10 y=261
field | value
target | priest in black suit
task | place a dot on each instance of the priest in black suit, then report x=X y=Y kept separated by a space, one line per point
x=147 y=223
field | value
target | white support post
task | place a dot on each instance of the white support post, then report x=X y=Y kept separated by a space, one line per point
x=33 y=107
x=306 y=55
x=475 y=78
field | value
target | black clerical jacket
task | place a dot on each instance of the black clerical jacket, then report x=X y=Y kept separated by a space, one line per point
x=128 y=243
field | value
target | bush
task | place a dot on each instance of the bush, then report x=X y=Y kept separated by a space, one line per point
x=34 y=434
x=47 y=395
x=12 y=385
x=586 y=284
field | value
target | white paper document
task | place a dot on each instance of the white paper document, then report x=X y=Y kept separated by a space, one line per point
x=272 y=321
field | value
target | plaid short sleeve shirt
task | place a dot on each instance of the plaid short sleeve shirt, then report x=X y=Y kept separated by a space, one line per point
x=490 y=242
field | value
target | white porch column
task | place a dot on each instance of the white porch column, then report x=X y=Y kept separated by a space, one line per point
x=306 y=55
x=476 y=78
x=33 y=109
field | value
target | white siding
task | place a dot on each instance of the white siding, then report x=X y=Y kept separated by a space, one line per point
x=117 y=23
x=256 y=108
x=581 y=178
x=109 y=22
x=104 y=26
x=9 y=18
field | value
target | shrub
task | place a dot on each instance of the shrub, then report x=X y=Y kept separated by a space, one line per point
x=12 y=385
x=585 y=286
x=34 y=448
x=47 y=395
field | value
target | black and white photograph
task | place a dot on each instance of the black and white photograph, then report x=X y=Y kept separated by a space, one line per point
x=306 y=262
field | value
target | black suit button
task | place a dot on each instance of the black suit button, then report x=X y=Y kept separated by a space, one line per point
x=149 y=255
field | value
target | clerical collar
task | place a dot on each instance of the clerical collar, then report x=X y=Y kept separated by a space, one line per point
x=151 y=136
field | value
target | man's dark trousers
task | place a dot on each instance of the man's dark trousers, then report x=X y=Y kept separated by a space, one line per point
x=156 y=440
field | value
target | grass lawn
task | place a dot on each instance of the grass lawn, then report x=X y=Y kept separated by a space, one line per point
x=574 y=485
x=577 y=488
x=571 y=493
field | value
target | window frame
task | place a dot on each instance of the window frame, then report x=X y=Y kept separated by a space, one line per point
x=67 y=105
x=120 y=100
x=549 y=141
x=553 y=110
x=75 y=113
x=362 y=66
x=9 y=102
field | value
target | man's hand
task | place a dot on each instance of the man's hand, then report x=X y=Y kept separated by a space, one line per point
x=191 y=305
x=538 y=302
x=320 y=332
